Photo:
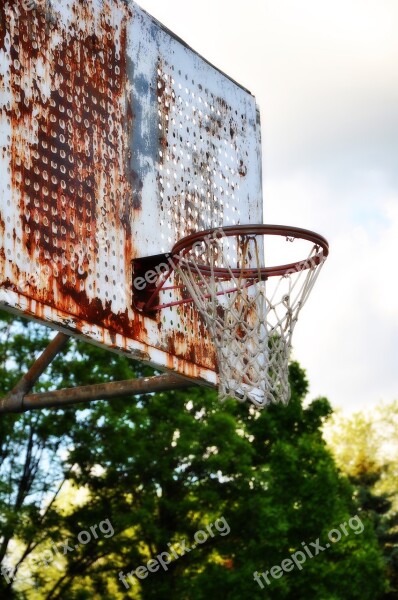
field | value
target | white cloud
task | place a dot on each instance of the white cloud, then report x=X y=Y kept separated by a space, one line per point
x=347 y=333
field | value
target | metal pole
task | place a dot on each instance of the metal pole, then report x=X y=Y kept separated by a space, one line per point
x=13 y=402
x=104 y=391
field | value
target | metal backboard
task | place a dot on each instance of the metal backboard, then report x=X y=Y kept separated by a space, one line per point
x=116 y=140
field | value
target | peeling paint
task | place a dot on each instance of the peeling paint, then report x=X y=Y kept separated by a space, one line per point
x=116 y=139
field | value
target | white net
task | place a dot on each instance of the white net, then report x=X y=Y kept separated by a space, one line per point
x=250 y=312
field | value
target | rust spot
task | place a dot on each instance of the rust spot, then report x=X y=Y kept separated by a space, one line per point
x=95 y=311
x=192 y=341
x=3 y=23
x=242 y=170
x=70 y=177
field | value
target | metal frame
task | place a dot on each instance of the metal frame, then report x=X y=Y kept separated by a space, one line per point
x=19 y=400
x=148 y=301
x=184 y=245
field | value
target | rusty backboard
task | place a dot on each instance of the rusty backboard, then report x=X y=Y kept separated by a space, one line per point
x=116 y=140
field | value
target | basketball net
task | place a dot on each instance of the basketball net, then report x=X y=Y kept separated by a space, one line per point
x=250 y=315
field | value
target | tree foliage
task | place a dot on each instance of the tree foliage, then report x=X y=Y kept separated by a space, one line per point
x=365 y=447
x=159 y=468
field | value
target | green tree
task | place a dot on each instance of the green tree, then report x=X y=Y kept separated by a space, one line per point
x=365 y=447
x=159 y=469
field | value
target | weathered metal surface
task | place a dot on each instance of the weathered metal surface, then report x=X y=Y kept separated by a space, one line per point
x=13 y=402
x=116 y=140
x=100 y=391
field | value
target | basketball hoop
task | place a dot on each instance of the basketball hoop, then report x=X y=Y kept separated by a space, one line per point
x=250 y=309
x=103 y=270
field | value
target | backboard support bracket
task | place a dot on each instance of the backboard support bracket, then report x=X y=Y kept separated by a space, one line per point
x=150 y=273
x=19 y=400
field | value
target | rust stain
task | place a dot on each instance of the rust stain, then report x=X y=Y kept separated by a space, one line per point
x=76 y=117
x=192 y=341
x=95 y=311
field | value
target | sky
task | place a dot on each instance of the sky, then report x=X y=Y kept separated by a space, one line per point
x=325 y=75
